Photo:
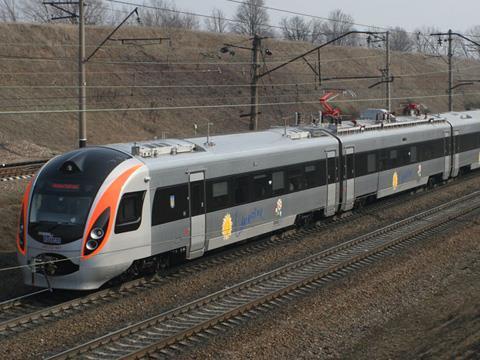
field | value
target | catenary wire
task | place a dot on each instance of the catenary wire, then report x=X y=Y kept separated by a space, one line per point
x=220 y=106
x=336 y=60
x=209 y=85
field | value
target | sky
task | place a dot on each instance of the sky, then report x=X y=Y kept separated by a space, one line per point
x=409 y=14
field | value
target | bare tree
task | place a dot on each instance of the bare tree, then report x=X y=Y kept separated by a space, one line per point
x=9 y=10
x=296 y=28
x=251 y=18
x=423 y=42
x=216 y=22
x=316 y=32
x=339 y=23
x=400 y=40
x=474 y=33
x=166 y=15
x=36 y=11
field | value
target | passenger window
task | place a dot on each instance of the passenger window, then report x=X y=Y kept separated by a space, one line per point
x=332 y=176
x=413 y=154
x=278 y=182
x=218 y=196
x=129 y=214
x=220 y=189
x=427 y=152
x=197 y=198
x=295 y=179
x=241 y=190
x=350 y=170
x=261 y=186
x=311 y=176
x=170 y=204
x=371 y=163
x=384 y=160
x=393 y=154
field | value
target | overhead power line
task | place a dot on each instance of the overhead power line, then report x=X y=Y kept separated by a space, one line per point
x=439 y=72
x=219 y=106
x=142 y=86
x=170 y=63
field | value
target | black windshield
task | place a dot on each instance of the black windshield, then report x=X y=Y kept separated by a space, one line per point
x=64 y=193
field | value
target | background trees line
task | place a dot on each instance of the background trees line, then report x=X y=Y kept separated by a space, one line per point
x=250 y=18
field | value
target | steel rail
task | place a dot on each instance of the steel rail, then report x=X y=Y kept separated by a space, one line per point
x=30 y=309
x=167 y=329
x=20 y=170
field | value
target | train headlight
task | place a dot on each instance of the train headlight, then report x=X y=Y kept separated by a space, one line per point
x=91 y=245
x=97 y=233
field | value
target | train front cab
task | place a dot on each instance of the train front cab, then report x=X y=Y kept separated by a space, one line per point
x=80 y=219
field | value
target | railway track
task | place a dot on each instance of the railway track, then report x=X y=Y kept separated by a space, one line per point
x=31 y=311
x=171 y=332
x=20 y=170
x=40 y=307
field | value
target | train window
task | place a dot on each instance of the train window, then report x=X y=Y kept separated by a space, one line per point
x=218 y=197
x=440 y=148
x=197 y=198
x=129 y=214
x=311 y=176
x=403 y=156
x=278 y=182
x=350 y=168
x=170 y=204
x=393 y=158
x=383 y=160
x=332 y=170
x=261 y=186
x=241 y=190
x=413 y=154
x=220 y=189
x=295 y=179
x=446 y=146
x=427 y=151
x=371 y=163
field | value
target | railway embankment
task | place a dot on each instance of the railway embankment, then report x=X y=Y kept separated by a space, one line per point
x=188 y=74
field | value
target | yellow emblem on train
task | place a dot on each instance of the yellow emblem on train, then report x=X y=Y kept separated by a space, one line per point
x=227 y=226
x=395 y=181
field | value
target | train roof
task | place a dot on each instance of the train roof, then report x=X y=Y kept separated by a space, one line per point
x=228 y=146
x=277 y=140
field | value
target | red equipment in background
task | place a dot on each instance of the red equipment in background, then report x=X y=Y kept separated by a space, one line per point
x=328 y=111
x=413 y=109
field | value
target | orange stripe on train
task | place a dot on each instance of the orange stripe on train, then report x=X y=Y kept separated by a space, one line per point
x=110 y=199
x=26 y=197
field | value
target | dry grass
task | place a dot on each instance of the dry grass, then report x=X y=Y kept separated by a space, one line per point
x=10 y=202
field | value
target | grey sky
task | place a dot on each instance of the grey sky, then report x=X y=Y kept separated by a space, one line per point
x=409 y=14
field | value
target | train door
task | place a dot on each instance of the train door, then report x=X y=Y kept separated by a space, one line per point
x=455 y=152
x=446 y=153
x=349 y=178
x=332 y=179
x=196 y=195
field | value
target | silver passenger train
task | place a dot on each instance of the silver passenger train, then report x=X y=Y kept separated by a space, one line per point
x=93 y=214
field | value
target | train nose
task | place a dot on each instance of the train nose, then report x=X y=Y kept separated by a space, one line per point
x=52 y=265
